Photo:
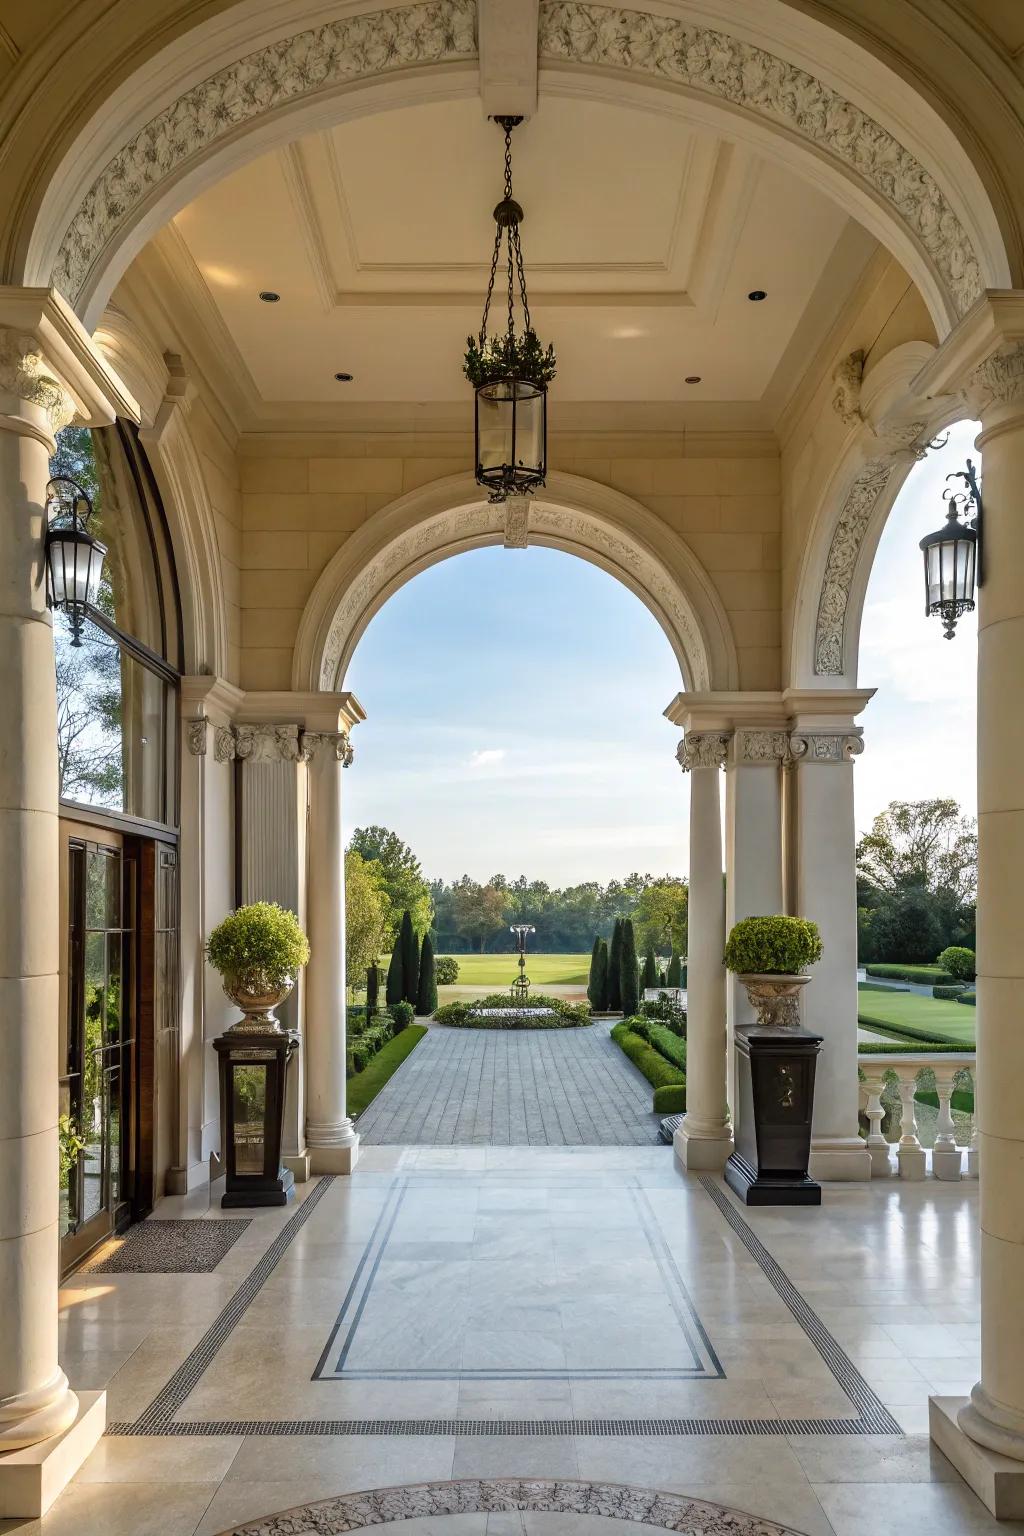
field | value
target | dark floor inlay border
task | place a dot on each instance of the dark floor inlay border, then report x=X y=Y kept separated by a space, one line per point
x=156 y=1247
x=381 y=1507
x=498 y=1429
x=868 y=1404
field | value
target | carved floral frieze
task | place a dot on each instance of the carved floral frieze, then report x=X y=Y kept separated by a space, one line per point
x=703 y=749
x=750 y=77
x=760 y=746
x=830 y=629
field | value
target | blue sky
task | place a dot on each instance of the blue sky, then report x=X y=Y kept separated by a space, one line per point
x=515 y=697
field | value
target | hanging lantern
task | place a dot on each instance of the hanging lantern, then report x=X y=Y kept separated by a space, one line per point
x=511 y=372
x=952 y=554
x=74 y=559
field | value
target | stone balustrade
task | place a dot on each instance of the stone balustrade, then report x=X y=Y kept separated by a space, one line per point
x=950 y=1069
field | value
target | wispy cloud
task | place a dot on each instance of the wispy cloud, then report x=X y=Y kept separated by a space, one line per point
x=486 y=757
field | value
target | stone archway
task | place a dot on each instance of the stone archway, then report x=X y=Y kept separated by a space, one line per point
x=581 y=517
x=795 y=91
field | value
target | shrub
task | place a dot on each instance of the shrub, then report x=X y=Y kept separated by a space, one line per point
x=948 y=993
x=365 y=1086
x=402 y=1013
x=970 y=998
x=393 y=987
x=511 y=1016
x=670 y=1100
x=959 y=962
x=658 y=1072
x=426 y=995
x=775 y=945
x=410 y=953
x=259 y=945
x=597 y=984
x=669 y=1045
x=372 y=988
x=675 y=971
x=926 y=975
x=446 y=970
x=615 y=968
x=649 y=973
x=666 y=1012
x=629 y=973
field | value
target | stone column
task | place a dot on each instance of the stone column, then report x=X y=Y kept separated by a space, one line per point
x=823 y=852
x=333 y=1142
x=753 y=847
x=704 y=1140
x=48 y=374
x=993 y=1419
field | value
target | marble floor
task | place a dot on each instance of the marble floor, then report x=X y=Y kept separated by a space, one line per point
x=585 y=1315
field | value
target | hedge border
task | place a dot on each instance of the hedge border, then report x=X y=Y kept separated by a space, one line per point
x=661 y=1074
x=908 y=1032
x=382 y=1067
x=924 y=975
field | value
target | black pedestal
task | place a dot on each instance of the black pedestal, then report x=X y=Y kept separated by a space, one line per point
x=773 y=1122
x=253 y=1072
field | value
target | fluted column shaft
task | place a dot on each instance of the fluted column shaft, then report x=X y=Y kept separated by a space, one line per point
x=704 y=1140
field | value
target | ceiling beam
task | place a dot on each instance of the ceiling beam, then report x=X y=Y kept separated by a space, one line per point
x=507 y=33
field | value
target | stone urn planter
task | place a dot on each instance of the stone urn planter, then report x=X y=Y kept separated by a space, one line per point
x=776 y=1062
x=257 y=1000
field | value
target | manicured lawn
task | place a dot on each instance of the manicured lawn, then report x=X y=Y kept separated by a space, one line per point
x=364 y=1087
x=500 y=971
x=912 y=1017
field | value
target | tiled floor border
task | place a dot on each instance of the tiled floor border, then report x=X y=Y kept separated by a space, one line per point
x=872 y=1417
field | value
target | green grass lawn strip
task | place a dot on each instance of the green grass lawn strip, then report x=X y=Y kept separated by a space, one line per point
x=364 y=1087
x=500 y=971
x=912 y=1017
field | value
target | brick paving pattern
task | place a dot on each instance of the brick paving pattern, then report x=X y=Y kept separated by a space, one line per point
x=513 y=1088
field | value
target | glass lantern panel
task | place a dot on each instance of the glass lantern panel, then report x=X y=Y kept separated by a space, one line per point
x=510 y=425
x=249 y=1109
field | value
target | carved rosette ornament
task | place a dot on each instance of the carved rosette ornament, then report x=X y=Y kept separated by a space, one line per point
x=703 y=749
x=329 y=743
x=25 y=374
x=826 y=746
x=196 y=736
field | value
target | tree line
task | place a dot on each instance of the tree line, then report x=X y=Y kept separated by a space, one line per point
x=917 y=882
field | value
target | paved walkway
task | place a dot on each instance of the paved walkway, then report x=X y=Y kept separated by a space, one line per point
x=513 y=1088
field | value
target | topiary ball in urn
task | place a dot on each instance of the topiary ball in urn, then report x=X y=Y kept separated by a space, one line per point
x=769 y=955
x=258 y=951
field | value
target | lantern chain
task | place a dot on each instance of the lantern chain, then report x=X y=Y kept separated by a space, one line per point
x=507 y=216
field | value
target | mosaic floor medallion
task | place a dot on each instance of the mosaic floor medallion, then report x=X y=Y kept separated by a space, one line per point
x=167 y=1248
x=446 y=1502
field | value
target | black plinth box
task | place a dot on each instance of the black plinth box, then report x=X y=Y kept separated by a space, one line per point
x=775 y=1088
x=253 y=1073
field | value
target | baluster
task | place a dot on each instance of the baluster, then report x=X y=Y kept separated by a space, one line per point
x=881 y=1168
x=945 y=1153
x=910 y=1154
x=974 y=1150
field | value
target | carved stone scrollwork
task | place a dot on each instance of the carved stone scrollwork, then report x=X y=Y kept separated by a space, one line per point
x=333 y=742
x=702 y=749
x=847 y=377
x=760 y=746
x=24 y=372
x=257 y=743
x=999 y=380
x=825 y=746
x=224 y=744
x=712 y=63
x=196 y=736
x=840 y=565
x=517 y=522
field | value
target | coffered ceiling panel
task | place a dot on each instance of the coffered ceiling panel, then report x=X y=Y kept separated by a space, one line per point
x=642 y=237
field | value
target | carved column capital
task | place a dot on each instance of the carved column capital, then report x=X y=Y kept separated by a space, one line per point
x=258 y=743
x=760 y=746
x=335 y=743
x=999 y=380
x=825 y=746
x=196 y=736
x=703 y=749
x=25 y=373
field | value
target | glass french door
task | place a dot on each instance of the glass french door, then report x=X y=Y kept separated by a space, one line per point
x=98 y=897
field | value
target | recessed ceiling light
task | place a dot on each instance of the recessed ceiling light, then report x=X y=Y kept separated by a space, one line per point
x=693 y=378
x=344 y=378
x=268 y=296
x=756 y=295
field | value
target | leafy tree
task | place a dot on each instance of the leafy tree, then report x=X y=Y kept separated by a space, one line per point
x=366 y=914
x=615 y=969
x=909 y=928
x=409 y=950
x=649 y=973
x=597 y=986
x=629 y=975
x=923 y=844
x=393 y=990
x=674 y=974
x=426 y=1000
x=478 y=910
x=406 y=888
x=660 y=914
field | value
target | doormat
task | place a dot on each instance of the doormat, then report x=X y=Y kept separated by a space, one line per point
x=167 y=1248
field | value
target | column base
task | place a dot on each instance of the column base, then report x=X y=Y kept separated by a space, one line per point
x=297 y=1164
x=839 y=1159
x=946 y=1164
x=30 y=1479
x=701 y=1154
x=340 y=1159
x=997 y=1480
x=913 y=1164
x=881 y=1167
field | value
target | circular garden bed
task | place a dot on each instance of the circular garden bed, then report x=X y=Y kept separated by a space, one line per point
x=499 y=1011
